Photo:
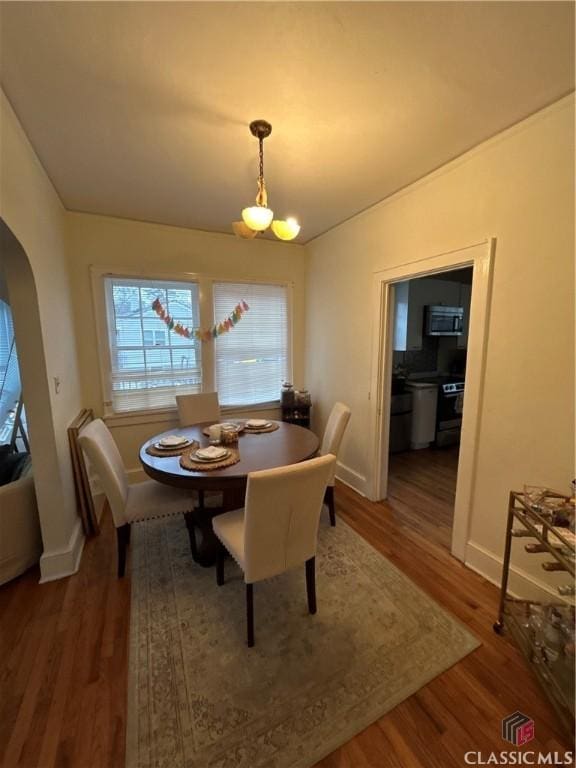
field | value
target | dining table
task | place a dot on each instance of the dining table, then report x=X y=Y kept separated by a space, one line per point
x=286 y=444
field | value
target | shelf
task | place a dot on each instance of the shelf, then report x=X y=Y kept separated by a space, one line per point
x=532 y=625
x=297 y=414
x=557 y=677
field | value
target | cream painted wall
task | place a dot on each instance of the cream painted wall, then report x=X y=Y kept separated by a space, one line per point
x=33 y=213
x=122 y=244
x=519 y=188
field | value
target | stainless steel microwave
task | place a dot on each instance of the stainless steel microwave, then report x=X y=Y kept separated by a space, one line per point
x=444 y=321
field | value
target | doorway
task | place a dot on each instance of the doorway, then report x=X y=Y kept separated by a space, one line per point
x=430 y=321
x=479 y=258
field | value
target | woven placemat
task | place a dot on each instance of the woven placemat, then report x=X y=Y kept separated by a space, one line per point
x=187 y=462
x=165 y=452
x=261 y=431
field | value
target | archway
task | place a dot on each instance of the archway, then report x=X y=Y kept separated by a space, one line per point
x=56 y=560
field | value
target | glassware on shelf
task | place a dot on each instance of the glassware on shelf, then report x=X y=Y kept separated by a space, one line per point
x=303 y=397
x=552 y=637
x=533 y=495
x=287 y=395
x=536 y=623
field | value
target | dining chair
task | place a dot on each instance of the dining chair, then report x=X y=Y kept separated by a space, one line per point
x=129 y=503
x=277 y=529
x=335 y=428
x=194 y=409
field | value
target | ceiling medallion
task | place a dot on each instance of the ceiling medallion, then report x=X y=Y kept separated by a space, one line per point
x=257 y=218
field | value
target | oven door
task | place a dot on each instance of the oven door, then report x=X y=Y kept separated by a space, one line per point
x=450 y=407
x=449 y=419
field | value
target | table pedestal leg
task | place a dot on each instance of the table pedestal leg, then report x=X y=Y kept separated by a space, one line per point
x=203 y=542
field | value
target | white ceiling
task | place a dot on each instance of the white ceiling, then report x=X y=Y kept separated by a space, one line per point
x=140 y=109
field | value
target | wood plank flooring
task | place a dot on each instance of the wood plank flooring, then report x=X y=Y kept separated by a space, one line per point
x=63 y=649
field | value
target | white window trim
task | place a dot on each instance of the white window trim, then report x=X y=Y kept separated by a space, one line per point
x=205 y=283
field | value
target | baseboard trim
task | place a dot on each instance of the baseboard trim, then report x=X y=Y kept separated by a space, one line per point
x=60 y=563
x=351 y=478
x=520 y=583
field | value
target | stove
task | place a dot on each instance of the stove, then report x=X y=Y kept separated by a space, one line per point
x=449 y=412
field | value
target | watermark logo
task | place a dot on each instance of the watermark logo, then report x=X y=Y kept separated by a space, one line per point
x=518 y=729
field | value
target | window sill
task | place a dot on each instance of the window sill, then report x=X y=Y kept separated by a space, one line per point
x=164 y=415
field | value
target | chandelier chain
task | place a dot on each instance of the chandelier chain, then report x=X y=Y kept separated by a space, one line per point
x=261 y=169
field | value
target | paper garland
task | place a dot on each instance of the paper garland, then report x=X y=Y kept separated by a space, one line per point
x=198 y=333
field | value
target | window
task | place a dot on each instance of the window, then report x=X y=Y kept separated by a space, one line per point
x=155 y=338
x=149 y=365
x=252 y=360
x=9 y=373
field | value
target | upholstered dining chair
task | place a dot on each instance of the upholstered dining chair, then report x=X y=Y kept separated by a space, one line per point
x=277 y=529
x=128 y=503
x=194 y=409
x=335 y=428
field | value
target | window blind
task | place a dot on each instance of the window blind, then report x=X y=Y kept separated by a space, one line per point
x=251 y=360
x=149 y=364
x=9 y=372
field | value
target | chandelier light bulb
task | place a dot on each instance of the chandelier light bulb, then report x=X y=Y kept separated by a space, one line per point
x=257 y=217
x=285 y=230
x=241 y=230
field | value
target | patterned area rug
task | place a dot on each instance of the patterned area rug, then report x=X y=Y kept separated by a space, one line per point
x=199 y=698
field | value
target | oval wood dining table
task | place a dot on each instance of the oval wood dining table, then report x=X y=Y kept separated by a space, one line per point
x=289 y=444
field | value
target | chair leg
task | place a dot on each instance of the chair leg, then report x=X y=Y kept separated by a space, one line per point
x=123 y=539
x=311 y=584
x=329 y=500
x=250 y=614
x=220 y=555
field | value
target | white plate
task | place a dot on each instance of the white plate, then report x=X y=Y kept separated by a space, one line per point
x=238 y=425
x=173 y=441
x=257 y=423
x=212 y=452
x=161 y=447
x=209 y=459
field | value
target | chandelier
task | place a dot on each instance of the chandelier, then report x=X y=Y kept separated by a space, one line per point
x=257 y=218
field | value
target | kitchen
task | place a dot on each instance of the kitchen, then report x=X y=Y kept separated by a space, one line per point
x=431 y=322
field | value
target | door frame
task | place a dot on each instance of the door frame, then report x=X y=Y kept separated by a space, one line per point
x=479 y=256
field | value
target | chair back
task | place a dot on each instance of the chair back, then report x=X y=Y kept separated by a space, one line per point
x=281 y=517
x=104 y=456
x=194 y=409
x=335 y=428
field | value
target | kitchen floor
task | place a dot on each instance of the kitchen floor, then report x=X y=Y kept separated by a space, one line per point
x=421 y=491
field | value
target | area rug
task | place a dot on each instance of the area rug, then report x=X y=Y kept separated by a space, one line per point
x=200 y=698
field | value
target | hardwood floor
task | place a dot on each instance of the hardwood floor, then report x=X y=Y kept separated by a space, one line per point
x=421 y=491
x=63 y=647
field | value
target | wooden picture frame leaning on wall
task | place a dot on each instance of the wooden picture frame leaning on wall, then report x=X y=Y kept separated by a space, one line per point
x=85 y=501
